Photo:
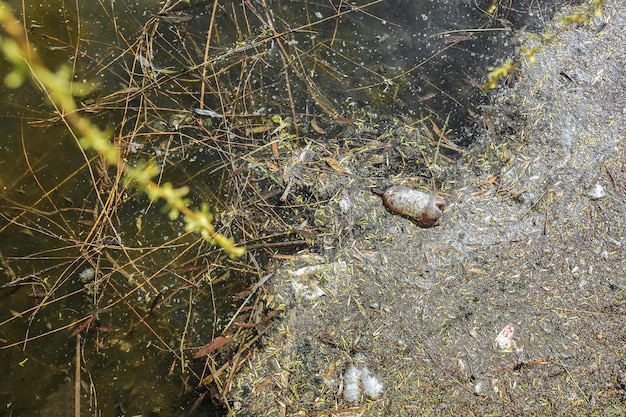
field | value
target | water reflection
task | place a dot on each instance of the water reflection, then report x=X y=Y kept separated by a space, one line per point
x=82 y=253
x=53 y=196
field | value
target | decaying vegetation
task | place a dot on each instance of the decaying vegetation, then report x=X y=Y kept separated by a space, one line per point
x=281 y=119
x=183 y=98
x=514 y=305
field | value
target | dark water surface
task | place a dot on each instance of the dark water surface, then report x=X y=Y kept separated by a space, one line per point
x=392 y=58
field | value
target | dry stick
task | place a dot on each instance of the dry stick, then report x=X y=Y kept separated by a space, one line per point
x=49 y=332
x=62 y=115
x=442 y=91
x=284 y=57
x=545 y=220
x=570 y=375
x=46 y=194
x=546 y=191
x=77 y=379
x=146 y=281
x=206 y=63
x=213 y=304
x=142 y=320
x=37 y=307
x=206 y=52
x=395 y=77
x=439 y=364
x=237 y=362
x=277 y=244
x=252 y=291
x=573 y=310
x=336 y=28
x=184 y=335
x=79 y=37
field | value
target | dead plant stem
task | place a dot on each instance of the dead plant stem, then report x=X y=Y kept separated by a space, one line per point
x=252 y=291
x=77 y=379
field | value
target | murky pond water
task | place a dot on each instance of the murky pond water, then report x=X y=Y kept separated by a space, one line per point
x=83 y=254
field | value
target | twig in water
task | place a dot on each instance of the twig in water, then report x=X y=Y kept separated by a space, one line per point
x=77 y=379
x=254 y=289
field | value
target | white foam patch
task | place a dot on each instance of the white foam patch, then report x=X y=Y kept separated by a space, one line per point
x=356 y=378
x=371 y=385
x=351 y=388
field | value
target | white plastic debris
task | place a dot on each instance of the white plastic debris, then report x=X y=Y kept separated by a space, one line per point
x=305 y=280
x=596 y=192
x=478 y=388
x=307 y=292
x=134 y=147
x=504 y=341
x=345 y=205
x=308 y=271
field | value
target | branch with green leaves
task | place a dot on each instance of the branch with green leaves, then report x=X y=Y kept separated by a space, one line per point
x=57 y=85
x=581 y=16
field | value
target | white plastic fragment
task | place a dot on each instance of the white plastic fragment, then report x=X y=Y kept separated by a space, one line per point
x=307 y=271
x=307 y=292
x=134 y=147
x=504 y=341
x=596 y=192
x=87 y=274
x=478 y=388
x=345 y=205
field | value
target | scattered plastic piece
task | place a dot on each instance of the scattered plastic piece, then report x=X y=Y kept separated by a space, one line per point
x=504 y=341
x=372 y=387
x=596 y=192
x=307 y=292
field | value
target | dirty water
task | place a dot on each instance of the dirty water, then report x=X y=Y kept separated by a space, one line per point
x=514 y=305
x=395 y=66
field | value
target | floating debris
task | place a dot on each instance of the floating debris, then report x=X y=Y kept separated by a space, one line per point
x=504 y=341
x=357 y=378
x=307 y=292
x=87 y=274
x=208 y=113
x=596 y=191
x=351 y=387
x=415 y=204
x=175 y=17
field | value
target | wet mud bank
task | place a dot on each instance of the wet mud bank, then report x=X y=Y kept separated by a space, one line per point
x=513 y=305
